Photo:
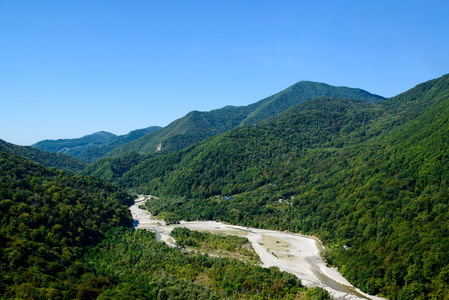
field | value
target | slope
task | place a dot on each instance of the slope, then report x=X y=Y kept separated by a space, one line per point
x=92 y=154
x=111 y=169
x=74 y=147
x=300 y=92
x=48 y=159
x=371 y=180
x=215 y=167
x=197 y=126
x=48 y=217
x=91 y=147
x=60 y=238
x=193 y=127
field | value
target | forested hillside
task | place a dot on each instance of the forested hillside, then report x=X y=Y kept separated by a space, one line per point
x=249 y=157
x=61 y=237
x=92 y=154
x=91 y=147
x=74 y=147
x=112 y=169
x=370 y=177
x=47 y=218
x=52 y=160
x=197 y=126
x=300 y=92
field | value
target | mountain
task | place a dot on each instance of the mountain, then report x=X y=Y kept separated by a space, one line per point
x=74 y=147
x=52 y=160
x=214 y=167
x=91 y=147
x=370 y=179
x=197 y=126
x=92 y=154
x=300 y=92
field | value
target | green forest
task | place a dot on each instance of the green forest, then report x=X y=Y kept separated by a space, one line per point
x=366 y=175
x=92 y=147
x=196 y=126
x=64 y=236
x=215 y=244
x=370 y=177
x=139 y=267
x=51 y=160
x=48 y=218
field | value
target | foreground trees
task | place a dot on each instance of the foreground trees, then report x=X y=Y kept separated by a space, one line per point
x=47 y=219
x=142 y=268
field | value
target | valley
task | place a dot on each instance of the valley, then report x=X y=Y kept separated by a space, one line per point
x=367 y=176
x=290 y=252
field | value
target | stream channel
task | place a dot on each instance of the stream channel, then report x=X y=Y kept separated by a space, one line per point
x=290 y=252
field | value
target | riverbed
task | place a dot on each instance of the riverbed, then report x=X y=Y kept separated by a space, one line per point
x=290 y=252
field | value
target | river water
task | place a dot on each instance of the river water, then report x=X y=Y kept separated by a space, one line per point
x=290 y=252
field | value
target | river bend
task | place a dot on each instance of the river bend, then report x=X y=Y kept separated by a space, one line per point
x=290 y=252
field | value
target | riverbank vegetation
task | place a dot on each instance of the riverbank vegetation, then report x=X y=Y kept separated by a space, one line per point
x=215 y=244
x=136 y=266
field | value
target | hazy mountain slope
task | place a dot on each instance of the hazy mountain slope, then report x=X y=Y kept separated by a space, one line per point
x=91 y=154
x=52 y=160
x=75 y=146
x=196 y=126
x=193 y=127
x=371 y=177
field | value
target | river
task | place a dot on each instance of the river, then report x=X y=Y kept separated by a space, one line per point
x=290 y=252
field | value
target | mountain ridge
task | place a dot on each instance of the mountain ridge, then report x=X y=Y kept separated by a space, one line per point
x=196 y=126
x=52 y=160
x=92 y=146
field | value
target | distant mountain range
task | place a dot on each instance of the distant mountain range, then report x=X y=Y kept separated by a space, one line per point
x=52 y=160
x=91 y=147
x=197 y=126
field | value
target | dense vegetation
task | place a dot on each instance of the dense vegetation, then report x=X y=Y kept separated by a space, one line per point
x=47 y=218
x=216 y=244
x=75 y=146
x=91 y=147
x=371 y=177
x=138 y=267
x=251 y=156
x=301 y=92
x=61 y=238
x=111 y=169
x=51 y=160
x=92 y=154
x=197 y=126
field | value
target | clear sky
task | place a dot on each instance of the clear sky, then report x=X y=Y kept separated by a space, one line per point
x=74 y=67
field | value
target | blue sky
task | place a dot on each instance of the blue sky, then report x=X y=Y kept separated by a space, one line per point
x=73 y=67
